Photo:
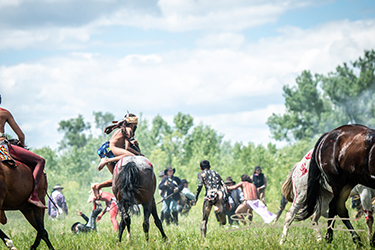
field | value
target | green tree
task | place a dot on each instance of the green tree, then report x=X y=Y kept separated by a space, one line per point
x=103 y=120
x=351 y=90
x=304 y=107
x=73 y=132
x=321 y=103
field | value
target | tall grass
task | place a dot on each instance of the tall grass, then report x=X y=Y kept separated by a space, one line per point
x=185 y=236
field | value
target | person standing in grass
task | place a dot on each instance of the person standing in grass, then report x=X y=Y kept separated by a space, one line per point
x=214 y=195
x=260 y=181
x=172 y=186
x=58 y=207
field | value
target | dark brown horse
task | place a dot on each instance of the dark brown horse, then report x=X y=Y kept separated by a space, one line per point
x=16 y=184
x=344 y=157
x=134 y=182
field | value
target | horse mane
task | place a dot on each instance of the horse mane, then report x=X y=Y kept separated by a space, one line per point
x=126 y=186
x=287 y=187
x=314 y=186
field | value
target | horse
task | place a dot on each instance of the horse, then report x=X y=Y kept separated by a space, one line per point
x=16 y=185
x=294 y=190
x=297 y=178
x=134 y=182
x=344 y=157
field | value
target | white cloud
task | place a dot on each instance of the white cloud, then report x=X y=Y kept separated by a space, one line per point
x=198 y=81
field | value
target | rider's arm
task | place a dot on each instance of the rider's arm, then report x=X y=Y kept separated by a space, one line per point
x=13 y=124
x=127 y=142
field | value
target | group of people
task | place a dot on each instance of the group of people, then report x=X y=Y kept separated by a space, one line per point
x=227 y=198
x=176 y=197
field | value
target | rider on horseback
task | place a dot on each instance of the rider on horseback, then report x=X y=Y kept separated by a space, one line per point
x=33 y=161
x=121 y=144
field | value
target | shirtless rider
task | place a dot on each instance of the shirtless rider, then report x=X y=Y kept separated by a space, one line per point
x=35 y=162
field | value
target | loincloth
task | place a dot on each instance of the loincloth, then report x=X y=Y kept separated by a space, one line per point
x=4 y=154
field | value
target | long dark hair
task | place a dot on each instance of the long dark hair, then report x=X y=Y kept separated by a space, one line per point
x=121 y=125
x=245 y=177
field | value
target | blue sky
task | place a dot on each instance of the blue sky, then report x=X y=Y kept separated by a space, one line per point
x=223 y=62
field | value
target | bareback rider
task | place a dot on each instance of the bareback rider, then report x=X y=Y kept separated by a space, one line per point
x=33 y=161
x=121 y=144
x=213 y=197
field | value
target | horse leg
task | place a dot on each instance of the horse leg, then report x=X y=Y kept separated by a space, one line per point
x=289 y=217
x=206 y=213
x=125 y=222
x=315 y=219
x=157 y=221
x=8 y=242
x=35 y=217
x=343 y=213
x=146 y=218
x=331 y=222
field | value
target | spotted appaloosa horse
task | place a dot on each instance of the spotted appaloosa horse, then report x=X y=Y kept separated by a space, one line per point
x=134 y=182
x=344 y=157
x=295 y=190
x=16 y=184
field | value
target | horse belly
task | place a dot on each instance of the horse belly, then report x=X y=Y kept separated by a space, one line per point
x=19 y=184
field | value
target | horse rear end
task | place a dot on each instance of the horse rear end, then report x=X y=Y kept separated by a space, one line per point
x=134 y=182
x=295 y=190
x=345 y=157
x=16 y=185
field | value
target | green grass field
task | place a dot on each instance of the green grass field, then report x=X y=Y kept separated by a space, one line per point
x=185 y=236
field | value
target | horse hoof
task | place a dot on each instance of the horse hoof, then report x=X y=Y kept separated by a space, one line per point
x=9 y=244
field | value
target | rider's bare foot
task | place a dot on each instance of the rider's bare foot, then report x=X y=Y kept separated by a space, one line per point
x=102 y=163
x=95 y=189
x=35 y=200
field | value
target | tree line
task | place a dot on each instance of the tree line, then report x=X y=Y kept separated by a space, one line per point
x=314 y=105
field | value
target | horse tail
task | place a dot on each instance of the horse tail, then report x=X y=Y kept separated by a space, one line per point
x=287 y=187
x=314 y=186
x=126 y=186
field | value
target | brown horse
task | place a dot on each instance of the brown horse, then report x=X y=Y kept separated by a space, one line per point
x=134 y=182
x=16 y=184
x=344 y=157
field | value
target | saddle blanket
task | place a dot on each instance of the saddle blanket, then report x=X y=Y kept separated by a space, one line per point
x=261 y=209
x=5 y=156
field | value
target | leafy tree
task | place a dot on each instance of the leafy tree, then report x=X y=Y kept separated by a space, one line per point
x=304 y=106
x=351 y=90
x=321 y=103
x=73 y=132
x=103 y=120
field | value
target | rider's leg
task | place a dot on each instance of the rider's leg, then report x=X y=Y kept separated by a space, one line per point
x=119 y=154
x=31 y=160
